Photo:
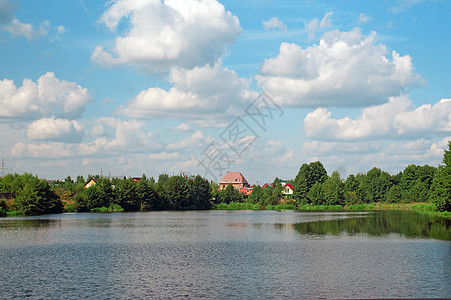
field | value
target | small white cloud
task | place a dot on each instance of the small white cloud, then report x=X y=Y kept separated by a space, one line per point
x=163 y=156
x=344 y=69
x=363 y=18
x=180 y=33
x=316 y=25
x=182 y=127
x=47 y=97
x=274 y=23
x=17 y=28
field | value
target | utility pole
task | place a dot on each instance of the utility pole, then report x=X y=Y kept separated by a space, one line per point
x=2 y=167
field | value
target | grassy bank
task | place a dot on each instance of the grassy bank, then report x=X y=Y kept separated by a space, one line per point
x=427 y=208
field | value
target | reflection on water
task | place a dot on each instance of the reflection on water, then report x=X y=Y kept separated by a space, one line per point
x=406 y=223
x=225 y=255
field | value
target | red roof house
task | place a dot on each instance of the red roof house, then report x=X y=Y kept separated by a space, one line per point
x=235 y=178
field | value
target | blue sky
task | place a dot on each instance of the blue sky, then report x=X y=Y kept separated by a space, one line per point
x=128 y=87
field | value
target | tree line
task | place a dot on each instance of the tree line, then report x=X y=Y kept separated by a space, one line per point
x=312 y=185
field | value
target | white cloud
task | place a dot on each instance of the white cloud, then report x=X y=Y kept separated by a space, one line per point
x=397 y=118
x=204 y=92
x=344 y=69
x=363 y=18
x=163 y=156
x=119 y=138
x=182 y=127
x=196 y=140
x=274 y=23
x=180 y=33
x=55 y=130
x=316 y=25
x=47 y=97
x=11 y=24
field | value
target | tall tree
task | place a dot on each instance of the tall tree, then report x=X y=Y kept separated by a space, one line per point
x=441 y=184
x=308 y=175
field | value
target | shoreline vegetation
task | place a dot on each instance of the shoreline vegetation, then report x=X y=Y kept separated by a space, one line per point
x=423 y=189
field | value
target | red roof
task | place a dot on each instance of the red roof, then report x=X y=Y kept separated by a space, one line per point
x=290 y=186
x=233 y=177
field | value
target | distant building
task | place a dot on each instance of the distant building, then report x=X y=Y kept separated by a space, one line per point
x=236 y=179
x=136 y=179
x=90 y=183
x=287 y=189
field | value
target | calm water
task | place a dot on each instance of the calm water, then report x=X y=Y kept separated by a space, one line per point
x=225 y=255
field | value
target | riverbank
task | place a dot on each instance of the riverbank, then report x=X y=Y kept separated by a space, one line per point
x=427 y=208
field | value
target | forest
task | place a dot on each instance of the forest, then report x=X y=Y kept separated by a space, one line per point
x=312 y=186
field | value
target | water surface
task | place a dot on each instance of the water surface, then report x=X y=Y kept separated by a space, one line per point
x=225 y=254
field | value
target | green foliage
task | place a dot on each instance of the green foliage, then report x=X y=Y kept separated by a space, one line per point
x=3 y=208
x=109 y=209
x=441 y=185
x=36 y=197
x=307 y=177
x=360 y=207
x=394 y=195
x=228 y=195
x=310 y=207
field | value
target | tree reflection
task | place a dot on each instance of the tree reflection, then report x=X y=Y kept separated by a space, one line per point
x=407 y=223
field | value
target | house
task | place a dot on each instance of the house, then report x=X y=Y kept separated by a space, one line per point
x=136 y=179
x=287 y=189
x=90 y=183
x=246 y=191
x=236 y=179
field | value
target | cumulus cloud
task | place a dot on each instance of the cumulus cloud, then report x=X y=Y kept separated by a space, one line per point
x=344 y=69
x=164 y=34
x=316 y=25
x=47 y=97
x=397 y=118
x=118 y=138
x=55 y=130
x=200 y=92
x=274 y=23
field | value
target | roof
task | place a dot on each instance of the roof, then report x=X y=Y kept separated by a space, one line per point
x=290 y=186
x=233 y=177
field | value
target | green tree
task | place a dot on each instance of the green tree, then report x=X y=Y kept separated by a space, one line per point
x=308 y=175
x=127 y=195
x=441 y=185
x=200 y=193
x=229 y=194
x=333 y=190
x=178 y=193
x=256 y=196
x=147 y=195
x=316 y=194
x=394 y=194
x=37 y=198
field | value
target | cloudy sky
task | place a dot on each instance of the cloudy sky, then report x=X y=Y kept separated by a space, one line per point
x=127 y=87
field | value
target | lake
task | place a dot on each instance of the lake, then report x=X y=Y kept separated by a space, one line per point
x=225 y=255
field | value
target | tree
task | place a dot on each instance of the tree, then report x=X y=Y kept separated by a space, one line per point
x=177 y=192
x=394 y=194
x=307 y=176
x=256 y=196
x=333 y=190
x=37 y=198
x=229 y=194
x=441 y=185
x=147 y=195
x=127 y=195
x=200 y=193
